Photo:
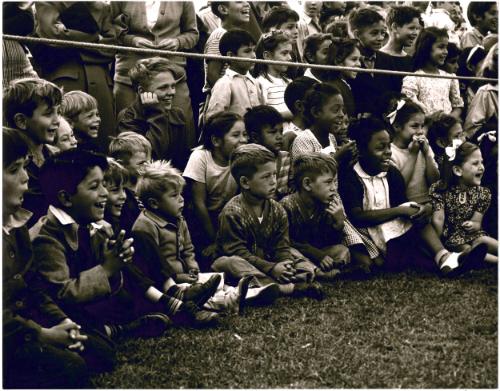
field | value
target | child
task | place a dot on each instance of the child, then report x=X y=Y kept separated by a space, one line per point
x=411 y=153
x=80 y=109
x=308 y=22
x=82 y=263
x=265 y=127
x=35 y=355
x=483 y=17
x=64 y=138
x=272 y=80
x=315 y=225
x=32 y=107
x=451 y=63
x=430 y=93
x=237 y=90
x=375 y=201
x=253 y=229
x=316 y=52
x=161 y=229
x=444 y=15
x=115 y=179
x=210 y=182
x=152 y=114
x=443 y=129
x=460 y=202
x=294 y=95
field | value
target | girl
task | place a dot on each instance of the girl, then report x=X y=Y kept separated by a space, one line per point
x=208 y=174
x=316 y=48
x=430 y=93
x=323 y=107
x=344 y=52
x=443 y=129
x=278 y=47
x=411 y=153
x=460 y=202
x=65 y=138
x=375 y=201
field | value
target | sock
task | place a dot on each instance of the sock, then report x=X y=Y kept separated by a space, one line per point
x=451 y=261
x=286 y=289
x=171 y=303
x=176 y=292
x=440 y=255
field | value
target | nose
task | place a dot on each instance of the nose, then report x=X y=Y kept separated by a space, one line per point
x=103 y=192
x=24 y=177
x=123 y=196
x=288 y=57
x=243 y=139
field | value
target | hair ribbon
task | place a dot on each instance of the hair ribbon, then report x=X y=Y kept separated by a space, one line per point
x=491 y=136
x=451 y=151
x=392 y=116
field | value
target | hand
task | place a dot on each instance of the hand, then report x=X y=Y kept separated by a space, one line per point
x=149 y=99
x=117 y=252
x=471 y=226
x=65 y=334
x=283 y=271
x=326 y=263
x=424 y=145
x=140 y=42
x=335 y=211
x=423 y=214
x=209 y=251
x=186 y=277
x=408 y=211
x=414 y=147
x=345 y=151
x=169 y=44
x=340 y=255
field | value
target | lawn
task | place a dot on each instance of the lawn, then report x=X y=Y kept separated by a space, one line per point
x=403 y=330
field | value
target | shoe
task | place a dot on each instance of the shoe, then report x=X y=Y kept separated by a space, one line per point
x=262 y=296
x=314 y=290
x=190 y=315
x=236 y=299
x=199 y=293
x=467 y=260
x=147 y=326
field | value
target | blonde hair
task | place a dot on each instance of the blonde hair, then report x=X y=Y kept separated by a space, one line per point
x=158 y=177
x=123 y=146
x=76 y=102
x=116 y=174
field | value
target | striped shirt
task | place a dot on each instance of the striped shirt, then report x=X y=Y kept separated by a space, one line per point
x=212 y=48
x=273 y=93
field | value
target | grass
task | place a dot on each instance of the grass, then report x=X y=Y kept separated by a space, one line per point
x=403 y=330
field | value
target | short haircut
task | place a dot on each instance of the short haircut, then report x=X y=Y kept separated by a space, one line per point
x=76 y=102
x=297 y=90
x=401 y=15
x=362 y=131
x=123 y=146
x=158 y=177
x=66 y=170
x=312 y=44
x=363 y=18
x=116 y=174
x=423 y=46
x=246 y=160
x=317 y=97
x=218 y=126
x=145 y=69
x=312 y=165
x=234 y=39
x=277 y=17
x=14 y=146
x=25 y=95
x=261 y=116
x=478 y=9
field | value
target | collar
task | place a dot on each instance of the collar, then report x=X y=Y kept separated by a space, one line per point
x=477 y=33
x=62 y=217
x=158 y=220
x=308 y=73
x=362 y=174
x=232 y=74
x=17 y=220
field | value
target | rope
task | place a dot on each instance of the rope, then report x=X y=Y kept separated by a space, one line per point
x=128 y=49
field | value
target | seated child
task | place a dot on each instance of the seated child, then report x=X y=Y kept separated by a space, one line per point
x=163 y=237
x=315 y=225
x=80 y=109
x=65 y=138
x=253 y=230
x=152 y=114
x=411 y=152
x=237 y=90
x=443 y=129
x=375 y=201
x=32 y=107
x=316 y=48
x=460 y=202
x=451 y=63
x=210 y=184
x=82 y=263
x=34 y=355
x=115 y=178
x=265 y=127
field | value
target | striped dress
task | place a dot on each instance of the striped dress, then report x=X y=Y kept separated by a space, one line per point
x=273 y=92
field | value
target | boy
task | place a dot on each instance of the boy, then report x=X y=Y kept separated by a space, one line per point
x=28 y=346
x=32 y=106
x=253 y=229
x=237 y=90
x=294 y=95
x=82 y=263
x=315 y=224
x=152 y=114
x=162 y=236
x=309 y=22
x=483 y=17
x=64 y=138
x=264 y=124
x=80 y=109
x=444 y=15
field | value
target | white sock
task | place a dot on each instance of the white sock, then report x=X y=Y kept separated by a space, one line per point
x=451 y=261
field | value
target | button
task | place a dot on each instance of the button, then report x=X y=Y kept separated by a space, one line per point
x=17 y=277
x=28 y=337
x=19 y=304
x=11 y=254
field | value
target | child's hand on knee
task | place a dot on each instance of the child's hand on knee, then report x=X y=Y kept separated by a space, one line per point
x=471 y=226
x=186 y=278
x=283 y=271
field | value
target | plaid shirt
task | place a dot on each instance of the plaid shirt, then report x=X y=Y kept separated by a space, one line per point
x=284 y=178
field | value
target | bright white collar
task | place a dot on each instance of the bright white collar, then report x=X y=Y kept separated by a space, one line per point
x=362 y=174
x=17 y=220
x=62 y=216
x=231 y=73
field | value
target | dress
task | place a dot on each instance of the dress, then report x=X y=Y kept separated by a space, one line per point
x=459 y=204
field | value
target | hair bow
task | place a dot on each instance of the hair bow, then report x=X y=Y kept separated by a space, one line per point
x=392 y=116
x=491 y=136
x=451 y=151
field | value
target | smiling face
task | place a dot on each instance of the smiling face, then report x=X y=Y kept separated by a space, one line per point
x=271 y=137
x=87 y=123
x=312 y=8
x=237 y=11
x=291 y=29
x=413 y=127
x=233 y=139
x=65 y=137
x=262 y=184
x=471 y=171
x=282 y=53
x=439 y=51
x=489 y=21
x=42 y=125
x=116 y=198
x=321 y=55
x=408 y=33
x=372 y=37
x=163 y=85
x=331 y=114
x=245 y=51
x=15 y=184
x=377 y=156
x=352 y=60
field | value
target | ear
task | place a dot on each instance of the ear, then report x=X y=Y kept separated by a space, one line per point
x=266 y=55
x=21 y=121
x=64 y=198
x=222 y=9
x=457 y=170
x=393 y=27
x=355 y=33
x=244 y=183
x=306 y=183
x=152 y=203
x=216 y=141
x=315 y=112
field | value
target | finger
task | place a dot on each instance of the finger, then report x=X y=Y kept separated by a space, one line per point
x=75 y=346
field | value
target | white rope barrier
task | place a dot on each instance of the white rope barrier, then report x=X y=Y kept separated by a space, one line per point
x=129 y=49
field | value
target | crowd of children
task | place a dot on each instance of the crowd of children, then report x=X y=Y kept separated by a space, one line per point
x=118 y=224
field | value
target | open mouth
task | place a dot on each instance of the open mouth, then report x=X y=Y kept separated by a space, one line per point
x=100 y=205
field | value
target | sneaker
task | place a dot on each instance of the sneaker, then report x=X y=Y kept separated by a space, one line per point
x=262 y=296
x=236 y=299
x=147 y=326
x=314 y=290
x=190 y=315
x=467 y=260
x=199 y=293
